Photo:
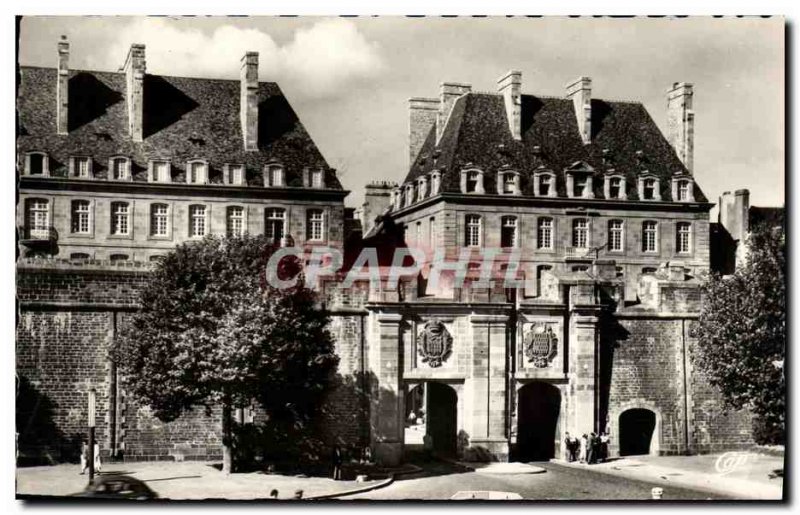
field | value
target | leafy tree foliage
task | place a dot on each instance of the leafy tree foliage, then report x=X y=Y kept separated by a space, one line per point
x=742 y=332
x=212 y=332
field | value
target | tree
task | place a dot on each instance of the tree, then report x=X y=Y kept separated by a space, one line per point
x=212 y=332
x=741 y=332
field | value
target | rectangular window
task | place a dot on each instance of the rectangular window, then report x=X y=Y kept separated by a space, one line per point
x=580 y=233
x=544 y=185
x=615 y=187
x=472 y=181
x=160 y=171
x=684 y=238
x=509 y=181
x=120 y=221
x=80 y=216
x=649 y=189
x=473 y=231
x=82 y=167
x=683 y=190
x=315 y=229
x=236 y=175
x=197 y=173
x=36 y=164
x=580 y=186
x=235 y=221
x=432 y=232
x=649 y=236
x=197 y=221
x=37 y=218
x=274 y=218
x=120 y=170
x=275 y=176
x=316 y=178
x=159 y=220
x=508 y=232
x=118 y=257
x=545 y=233
x=615 y=235
x=418 y=235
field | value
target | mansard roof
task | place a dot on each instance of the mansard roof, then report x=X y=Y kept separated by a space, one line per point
x=184 y=119
x=477 y=135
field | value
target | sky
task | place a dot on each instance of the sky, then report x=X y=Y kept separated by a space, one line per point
x=349 y=79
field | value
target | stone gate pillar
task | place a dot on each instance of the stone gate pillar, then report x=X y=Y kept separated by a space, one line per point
x=386 y=394
x=583 y=349
x=485 y=403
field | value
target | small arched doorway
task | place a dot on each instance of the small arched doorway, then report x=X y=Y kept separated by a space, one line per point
x=539 y=406
x=636 y=429
x=441 y=417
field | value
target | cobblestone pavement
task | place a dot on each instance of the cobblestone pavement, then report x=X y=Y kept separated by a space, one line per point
x=441 y=481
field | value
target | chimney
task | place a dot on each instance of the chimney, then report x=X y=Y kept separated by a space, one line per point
x=449 y=92
x=580 y=91
x=62 y=87
x=135 y=68
x=510 y=86
x=377 y=199
x=248 y=113
x=680 y=122
x=733 y=213
x=421 y=118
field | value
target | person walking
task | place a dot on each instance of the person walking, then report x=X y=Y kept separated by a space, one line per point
x=592 y=447
x=568 y=447
x=337 y=463
x=604 y=441
x=84 y=457
x=584 y=444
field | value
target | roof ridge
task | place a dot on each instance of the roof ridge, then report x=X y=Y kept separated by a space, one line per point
x=119 y=72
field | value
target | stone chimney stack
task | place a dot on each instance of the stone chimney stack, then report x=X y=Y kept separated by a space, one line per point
x=734 y=213
x=249 y=100
x=135 y=69
x=377 y=199
x=680 y=122
x=422 y=114
x=62 y=87
x=449 y=92
x=580 y=91
x=510 y=86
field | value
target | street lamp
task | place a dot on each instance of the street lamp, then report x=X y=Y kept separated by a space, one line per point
x=91 y=410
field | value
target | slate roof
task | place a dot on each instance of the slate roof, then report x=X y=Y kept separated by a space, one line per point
x=477 y=132
x=184 y=118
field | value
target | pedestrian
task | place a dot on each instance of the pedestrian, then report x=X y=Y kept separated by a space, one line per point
x=604 y=441
x=584 y=444
x=574 y=446
x=591 y=449
x=98 y=465
x=337 y=463
x=84 y=456
x=568 y=447
x=367 y=454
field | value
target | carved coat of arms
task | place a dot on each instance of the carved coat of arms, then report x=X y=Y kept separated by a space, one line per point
x=541 y=345
x=435 y=344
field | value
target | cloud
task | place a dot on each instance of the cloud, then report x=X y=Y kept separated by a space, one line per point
x=320 y=61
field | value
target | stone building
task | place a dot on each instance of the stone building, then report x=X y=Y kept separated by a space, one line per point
x=586 y=204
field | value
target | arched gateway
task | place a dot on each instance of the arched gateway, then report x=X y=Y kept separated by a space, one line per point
x=539 y=405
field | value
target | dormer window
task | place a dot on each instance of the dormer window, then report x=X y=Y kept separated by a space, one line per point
x=273 y=176
x=409 y=194
x=472 y=181
x=316 y=178
x=37 y=163
x=544 y=184
x=436 y=181
x=397 y=198
x=120 y=169
x=160 y=171
x=508 y=183
x=649 y=189
x=197 y=172
x=682 y=190
x=615 y=187
x=580 y=185
x=422 y=188
x=81 y=167
x=234 y=175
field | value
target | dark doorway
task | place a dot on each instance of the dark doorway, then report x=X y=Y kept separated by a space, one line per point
x=636 y=427
x=539 y=406
x=441 y=418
